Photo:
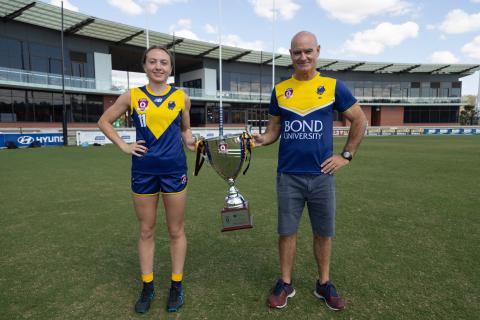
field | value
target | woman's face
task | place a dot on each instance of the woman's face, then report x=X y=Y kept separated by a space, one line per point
x=157 y=66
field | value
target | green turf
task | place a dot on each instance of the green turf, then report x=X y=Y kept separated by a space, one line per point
x=407 y=244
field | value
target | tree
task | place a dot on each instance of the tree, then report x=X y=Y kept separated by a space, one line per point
x=468 y=113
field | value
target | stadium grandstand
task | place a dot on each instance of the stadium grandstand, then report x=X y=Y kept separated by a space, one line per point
x=102 y=60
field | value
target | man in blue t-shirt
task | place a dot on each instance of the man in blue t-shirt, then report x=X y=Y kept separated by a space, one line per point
x=301 y=113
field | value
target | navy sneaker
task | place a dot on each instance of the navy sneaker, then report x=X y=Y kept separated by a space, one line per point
x=280 y=294
x=328 y=293
x=146 y=296
x=176 y=299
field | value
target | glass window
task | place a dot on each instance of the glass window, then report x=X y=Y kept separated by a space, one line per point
x=11 y=53
x=368 y=92
x=6 y=111
x=94 y=105
x=79 y=111
x=55 y=66
x=58 y=107
x=358 y=92
x=21 y=107
x=431 y=114
x=414 y=92
x=39 y=64
x=43 y=106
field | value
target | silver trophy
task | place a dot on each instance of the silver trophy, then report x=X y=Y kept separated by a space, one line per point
x=227 y=155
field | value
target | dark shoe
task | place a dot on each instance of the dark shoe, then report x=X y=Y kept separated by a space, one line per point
x=175 y=299
x=328 y=293
x=143 y=303
x=280 y=294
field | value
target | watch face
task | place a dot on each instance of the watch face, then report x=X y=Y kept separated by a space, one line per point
x=347 y=155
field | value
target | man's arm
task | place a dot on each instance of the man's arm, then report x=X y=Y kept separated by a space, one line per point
x=355 y=115
x=271 y=133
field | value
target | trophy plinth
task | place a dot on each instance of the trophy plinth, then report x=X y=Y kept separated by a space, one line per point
x=236 y=213
x=226 y=155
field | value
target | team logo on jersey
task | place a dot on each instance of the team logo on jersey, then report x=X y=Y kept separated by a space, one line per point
x=320 y=90
x=142 y=104
x=171 y=105
x=288 y=93
x=223 y=148
x=184 y=179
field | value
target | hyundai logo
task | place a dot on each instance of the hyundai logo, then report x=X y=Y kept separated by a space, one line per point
x=25 y=140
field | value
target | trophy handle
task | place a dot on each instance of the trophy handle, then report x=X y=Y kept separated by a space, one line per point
x=248 y=145
x=200 y=159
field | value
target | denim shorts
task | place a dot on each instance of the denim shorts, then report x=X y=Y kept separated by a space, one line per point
x=317 y=191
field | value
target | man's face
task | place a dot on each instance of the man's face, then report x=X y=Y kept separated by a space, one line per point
x=304 y=53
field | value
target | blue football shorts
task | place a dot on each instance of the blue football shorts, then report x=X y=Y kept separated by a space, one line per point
x=148 y=184
x=317 y=191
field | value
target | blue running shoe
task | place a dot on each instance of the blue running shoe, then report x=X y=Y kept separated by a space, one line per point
x=175 y=299
x=143 y=303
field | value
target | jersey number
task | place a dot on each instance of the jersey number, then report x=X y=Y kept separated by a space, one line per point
x=143 y=120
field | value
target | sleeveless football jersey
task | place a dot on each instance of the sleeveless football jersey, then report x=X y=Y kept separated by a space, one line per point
x=306 y=114
x=158 y=121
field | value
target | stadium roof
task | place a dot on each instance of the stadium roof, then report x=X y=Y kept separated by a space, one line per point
x=49 y=16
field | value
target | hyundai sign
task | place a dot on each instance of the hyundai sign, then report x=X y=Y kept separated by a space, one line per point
x=25 y=140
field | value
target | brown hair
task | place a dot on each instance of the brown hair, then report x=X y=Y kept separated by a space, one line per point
x=163 y=48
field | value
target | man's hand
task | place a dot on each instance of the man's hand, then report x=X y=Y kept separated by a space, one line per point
x=258 y=139
x=333 y=164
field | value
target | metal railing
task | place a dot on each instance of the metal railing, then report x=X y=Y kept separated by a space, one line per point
x=119 y=84
x=45 y=79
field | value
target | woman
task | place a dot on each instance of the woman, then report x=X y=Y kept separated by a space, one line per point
x=161 y=116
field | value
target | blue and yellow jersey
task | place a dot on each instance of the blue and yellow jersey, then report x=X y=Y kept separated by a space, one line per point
x=158 y=120
x=306 y=114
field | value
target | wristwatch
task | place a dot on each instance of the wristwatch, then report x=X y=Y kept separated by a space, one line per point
x=347 y=155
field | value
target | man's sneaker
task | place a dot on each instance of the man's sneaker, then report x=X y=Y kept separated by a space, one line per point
x=175 y=299
x=143 y=303
x=280 y=294
x=328 y=293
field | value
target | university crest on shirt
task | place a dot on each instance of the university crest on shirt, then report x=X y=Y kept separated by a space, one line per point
x=171 y=105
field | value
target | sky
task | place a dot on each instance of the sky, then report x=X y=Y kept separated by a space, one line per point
x=396 y=31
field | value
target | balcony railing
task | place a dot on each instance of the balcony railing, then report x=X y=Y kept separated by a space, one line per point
x=120 y=82
x=405 y=100
x=44 y=79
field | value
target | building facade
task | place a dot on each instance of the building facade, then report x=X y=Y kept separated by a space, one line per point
x=102 y=60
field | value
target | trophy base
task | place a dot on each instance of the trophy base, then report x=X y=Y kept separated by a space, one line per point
x=236 y=218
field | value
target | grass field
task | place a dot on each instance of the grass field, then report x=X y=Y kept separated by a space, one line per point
x=407 y=244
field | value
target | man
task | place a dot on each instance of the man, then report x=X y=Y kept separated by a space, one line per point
x=301 y=111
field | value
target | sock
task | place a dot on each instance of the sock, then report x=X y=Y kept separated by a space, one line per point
x=147 y=280
x=177 y=279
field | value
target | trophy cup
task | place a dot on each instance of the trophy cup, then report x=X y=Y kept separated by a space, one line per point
x=227 y=155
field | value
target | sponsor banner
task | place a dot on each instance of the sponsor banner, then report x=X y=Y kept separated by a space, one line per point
x=25 y=140
x=373 y=132
x=388 y=132
x=431 y=131
x=91 y=137
x=402 y=132
x=340 y=132
x=416 y=131
x=471 y=131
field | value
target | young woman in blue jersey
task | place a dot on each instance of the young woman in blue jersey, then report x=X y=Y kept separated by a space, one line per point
x=162 y=120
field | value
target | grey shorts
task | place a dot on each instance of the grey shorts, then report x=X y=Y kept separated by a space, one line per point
x=317 y=191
